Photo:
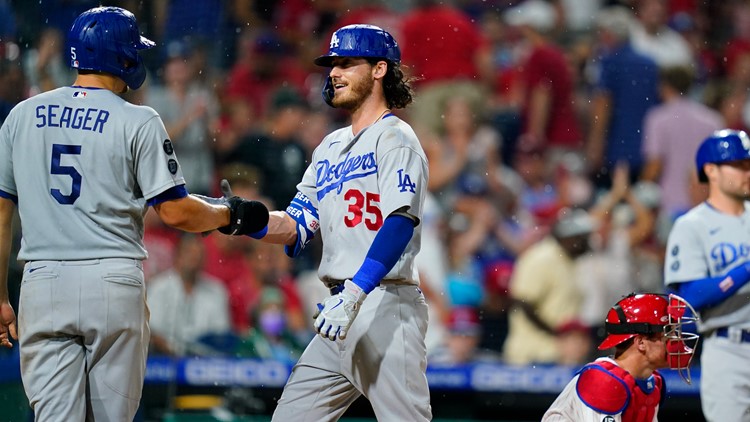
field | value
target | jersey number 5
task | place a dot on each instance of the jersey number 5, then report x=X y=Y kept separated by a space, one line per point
x=56 y=168
x=359 y=202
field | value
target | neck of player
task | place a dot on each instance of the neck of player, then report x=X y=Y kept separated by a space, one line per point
x=369 y=113
x=101 y=80
x=726 y=204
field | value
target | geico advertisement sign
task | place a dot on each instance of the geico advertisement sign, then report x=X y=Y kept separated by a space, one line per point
x=236 y=372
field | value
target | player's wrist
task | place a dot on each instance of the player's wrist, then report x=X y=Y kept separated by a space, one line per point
x=354 y=291
x=260 y=234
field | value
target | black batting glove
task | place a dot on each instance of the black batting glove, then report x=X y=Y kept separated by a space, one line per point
x=245 y=216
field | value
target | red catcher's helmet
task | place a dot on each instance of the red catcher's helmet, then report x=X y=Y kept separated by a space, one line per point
x=649 y=314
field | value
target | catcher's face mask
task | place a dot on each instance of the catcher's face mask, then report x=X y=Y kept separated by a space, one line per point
x=681 y=344
x=649 y=314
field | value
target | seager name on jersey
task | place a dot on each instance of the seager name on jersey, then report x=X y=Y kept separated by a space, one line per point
x=53 y=115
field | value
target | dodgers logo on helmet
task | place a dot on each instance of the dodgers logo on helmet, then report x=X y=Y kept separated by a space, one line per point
x=361 y=40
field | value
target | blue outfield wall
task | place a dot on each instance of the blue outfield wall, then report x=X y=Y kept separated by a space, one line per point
x=479 y=377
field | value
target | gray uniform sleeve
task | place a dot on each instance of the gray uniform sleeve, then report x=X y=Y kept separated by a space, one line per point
x=685 y=258
x=402 y=176
x=156 y=165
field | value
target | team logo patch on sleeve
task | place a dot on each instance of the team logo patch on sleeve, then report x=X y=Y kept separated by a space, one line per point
x=172 y=166
x=168 y=148
x=405 y=183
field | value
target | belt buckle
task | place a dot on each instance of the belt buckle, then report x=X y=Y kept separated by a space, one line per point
x=734 y=335
x=336 y=288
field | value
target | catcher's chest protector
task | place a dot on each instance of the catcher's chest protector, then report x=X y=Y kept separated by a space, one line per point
x=607 y=388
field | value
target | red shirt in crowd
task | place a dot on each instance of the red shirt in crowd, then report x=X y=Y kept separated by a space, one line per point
x=440 y=43
x=546 y=65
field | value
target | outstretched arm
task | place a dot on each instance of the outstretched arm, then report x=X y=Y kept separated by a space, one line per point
x=7 y=315
x=195 y=213
x=192 y=214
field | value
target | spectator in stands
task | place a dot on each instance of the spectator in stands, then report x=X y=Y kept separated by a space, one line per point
x=609 y=272
x=708 y=65
x=625 y=88
x=226 y=256
x=236 y=121
x=461 y=344
x=448 y=53
x=274 y=146
x=506 y=98
x=432 y=264
x=738 y=44
x=734 y=104
x=45 y=65
x=270 y=268
x=203 y=23
x=160 y=241
x=578 y=17
x=574 y=341
x=517 y=227
x=537 y=193
x=548 y=115
x=186 y=304
x=467 y=233
x=651 y=36
x=464 y=158
x=188 y=109
x=263 y=66
x=13 y=81
x=673 y=131
x=544 y=292
x=369 y=12
x=270 y=337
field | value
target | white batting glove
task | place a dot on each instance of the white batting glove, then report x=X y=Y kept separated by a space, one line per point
x=338 y=312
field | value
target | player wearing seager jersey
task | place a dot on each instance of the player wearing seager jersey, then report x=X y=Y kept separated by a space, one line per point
x=363 y=193
x=707 y=263
x=83 y=166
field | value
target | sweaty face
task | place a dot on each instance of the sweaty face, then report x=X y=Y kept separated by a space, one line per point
x=352 y=82
x=734 y=179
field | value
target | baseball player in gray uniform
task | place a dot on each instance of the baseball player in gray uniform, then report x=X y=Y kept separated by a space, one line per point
x=363 y=192
x=707 y=264
x=83 y=166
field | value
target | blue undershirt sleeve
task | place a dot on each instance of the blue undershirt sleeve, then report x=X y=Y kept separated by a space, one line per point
x=388 y=246
x=6 y=195
x=175 y=192
x=710 y=291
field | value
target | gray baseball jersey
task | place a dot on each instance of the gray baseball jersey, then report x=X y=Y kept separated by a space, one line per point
x=82 y=163
x=707 y=243
x=355 y=182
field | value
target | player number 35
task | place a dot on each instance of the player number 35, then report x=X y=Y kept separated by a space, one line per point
x=363 y=207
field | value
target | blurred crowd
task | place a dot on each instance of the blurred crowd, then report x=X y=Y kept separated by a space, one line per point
x=560 y=135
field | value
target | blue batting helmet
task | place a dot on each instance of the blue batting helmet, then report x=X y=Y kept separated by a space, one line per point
x=722 y=146
x=358 y=40
x=107 y=39
x=361 y=41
